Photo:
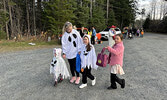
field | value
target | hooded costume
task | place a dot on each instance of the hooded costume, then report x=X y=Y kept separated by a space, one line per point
x=71 y=44
x=88 y=58
x=58 y=65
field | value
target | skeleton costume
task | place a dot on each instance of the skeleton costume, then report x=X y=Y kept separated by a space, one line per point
x=71 y=45
x=88 y=61
x=58 y=66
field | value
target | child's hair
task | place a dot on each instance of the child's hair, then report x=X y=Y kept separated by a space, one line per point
x=66 y=25
x=88 y=47
x=120 y=35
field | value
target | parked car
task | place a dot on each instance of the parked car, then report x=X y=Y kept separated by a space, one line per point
x=105 y=33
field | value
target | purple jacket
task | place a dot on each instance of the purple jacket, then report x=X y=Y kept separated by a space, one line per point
x=117 y=52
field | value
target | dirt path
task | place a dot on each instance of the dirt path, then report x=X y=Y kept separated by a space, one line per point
x=24 y=75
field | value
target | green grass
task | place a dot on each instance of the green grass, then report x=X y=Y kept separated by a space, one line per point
x=8 y=46
x=25 y=44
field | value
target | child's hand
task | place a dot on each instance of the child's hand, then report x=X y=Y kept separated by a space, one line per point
x=82 y=69
x=64 y=56
x=107 y=47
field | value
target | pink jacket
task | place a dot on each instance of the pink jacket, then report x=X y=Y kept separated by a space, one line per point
x=117 y=52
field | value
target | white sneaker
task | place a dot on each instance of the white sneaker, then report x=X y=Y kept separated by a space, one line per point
x=82 y=86
x=94 y=82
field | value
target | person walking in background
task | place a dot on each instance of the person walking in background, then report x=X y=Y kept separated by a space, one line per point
x=138 y=32
x=93 y=35
x=142 y=33
x=116 y=62
x=71 y=45
x=111 y=36
x=82 y=32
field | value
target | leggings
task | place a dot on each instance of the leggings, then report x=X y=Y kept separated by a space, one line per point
x=72 y=63
x=87 y=73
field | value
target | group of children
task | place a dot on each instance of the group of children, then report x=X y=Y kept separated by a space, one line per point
x=73 y=44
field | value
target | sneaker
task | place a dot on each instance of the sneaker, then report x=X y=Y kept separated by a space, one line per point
x=94 y=81
x=123 y=83
x=111 y=87
x=83 y=85
x=72 y=79
x=77 y=80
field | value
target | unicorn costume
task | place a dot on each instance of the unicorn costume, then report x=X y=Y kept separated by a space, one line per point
x=58 y=66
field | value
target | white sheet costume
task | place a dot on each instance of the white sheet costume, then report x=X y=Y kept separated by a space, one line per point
x=58 y=65
x=71 y=44
x=88 y=58
x=110 y=40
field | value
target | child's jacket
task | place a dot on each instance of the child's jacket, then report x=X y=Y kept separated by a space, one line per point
x=117 y=52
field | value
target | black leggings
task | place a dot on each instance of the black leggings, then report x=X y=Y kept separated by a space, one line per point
x=114 y=79
x=72 y=63
x=87 y=73
x=93 y=40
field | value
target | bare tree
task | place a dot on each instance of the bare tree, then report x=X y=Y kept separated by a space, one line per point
x=28 y=19
x=154 y=8
x=6 y=24
x=90 y=8
x=11 y=20
x=34 y=21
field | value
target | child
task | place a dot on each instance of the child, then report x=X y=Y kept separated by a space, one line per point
x=88 y=61
x=58 y=67
x=71 y=45
x=116 y=62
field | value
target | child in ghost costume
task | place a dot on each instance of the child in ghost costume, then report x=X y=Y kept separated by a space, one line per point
x=58 y=66
x=88 y=61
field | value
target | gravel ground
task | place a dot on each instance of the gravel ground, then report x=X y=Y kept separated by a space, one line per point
x=24 y=75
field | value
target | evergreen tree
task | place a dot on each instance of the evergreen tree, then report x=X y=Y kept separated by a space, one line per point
x=147 y=23
x=57 y=12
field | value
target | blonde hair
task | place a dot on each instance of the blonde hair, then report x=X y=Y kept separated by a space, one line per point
x=66 y=25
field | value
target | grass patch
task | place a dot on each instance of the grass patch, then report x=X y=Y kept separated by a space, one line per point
x=8 y=46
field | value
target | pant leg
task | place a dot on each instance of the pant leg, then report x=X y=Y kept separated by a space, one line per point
x=93 y=39
x=74 y=64
x=89 y=75
x=73 y=67
x=118 y=80
x=112 y=79
x=84 y=76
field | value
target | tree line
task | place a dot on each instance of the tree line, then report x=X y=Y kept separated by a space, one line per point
x=32 y=17
x=156 y=20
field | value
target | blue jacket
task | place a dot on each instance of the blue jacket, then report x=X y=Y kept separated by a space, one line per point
x=93 y=32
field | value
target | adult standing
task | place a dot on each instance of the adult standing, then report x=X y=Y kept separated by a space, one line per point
x=111 y=35
x=71 y=45
x=82 y=32
x=93 y=35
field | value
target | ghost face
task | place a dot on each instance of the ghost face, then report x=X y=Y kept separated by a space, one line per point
x=86 y=40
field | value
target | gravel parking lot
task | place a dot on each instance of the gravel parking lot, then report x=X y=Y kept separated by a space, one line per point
x=24 y=75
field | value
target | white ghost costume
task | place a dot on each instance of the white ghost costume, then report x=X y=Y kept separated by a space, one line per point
x=58 y=65
x=71 y=44
x=110 y=40
x=88 y=59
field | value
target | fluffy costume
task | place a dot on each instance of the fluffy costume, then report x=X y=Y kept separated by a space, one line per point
x=58 y=65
